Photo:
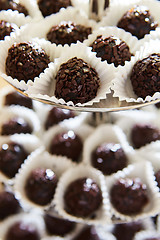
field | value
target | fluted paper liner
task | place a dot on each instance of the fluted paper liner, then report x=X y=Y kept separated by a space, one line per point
x=80 y=171
x=144 y=235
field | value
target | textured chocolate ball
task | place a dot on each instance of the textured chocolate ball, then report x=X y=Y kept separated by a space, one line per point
x=82 y=197
x=40 y=186
x=58 y=226
x=157 y=175
x=138 y=21
x=145 y=76
x=13 y=5
x=142 y=134
x=76 y=81
x=57 y=115
x=111 y=49
x=15 y=125
x=126 y=231
x=9 y=205
x=15 y=98
x=87 y=233
x=129 y=196
x=67 y=144
x=6 y=28
x=22 y=231
x=109 y=158
x=67 y=33
x=12 y=155
x=48 y=7
x=25 y=61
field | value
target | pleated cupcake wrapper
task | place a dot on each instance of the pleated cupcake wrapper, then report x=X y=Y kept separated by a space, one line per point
x=81 y=171
x=28 y=218
x=144 y=235
x=41 y=88
x=122 y=85
x=144 y=171
x=155 y=161
x=83 y=5
x=20 y=37
x=38 y=159
x=106 y=134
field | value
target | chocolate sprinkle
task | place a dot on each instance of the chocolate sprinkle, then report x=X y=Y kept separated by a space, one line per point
x=6 y=28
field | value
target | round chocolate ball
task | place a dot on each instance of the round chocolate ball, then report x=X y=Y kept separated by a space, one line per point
x=15 y=125
x=58 y=226
x=76 y=81
x=57 y=115
x=16 y=98
x=48 y=7
x=145 y=76
x=157 y=175
x=40 y=186
x=129 y=196
x=25 y=61
x=138 y=21
x=83 y=197
x=22 y=231
x=142 y=134
x=6 y=28
x=109 y=158
x=111 y=49
x=67 y=144
x=13 y=5
x=9 y=205
x=12 y=155
x=67 y=33
x=87 y=233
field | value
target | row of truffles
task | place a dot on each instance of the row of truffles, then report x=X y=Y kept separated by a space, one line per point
x=71 y=59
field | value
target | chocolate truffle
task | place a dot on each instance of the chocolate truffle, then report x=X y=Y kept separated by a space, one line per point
x=22 y=231
x=67 y=144
x=48 y=7
x=142 y=134
x=157 y=175
x=13 y=5
x=76 y=81
x=111 y=49
x=87 y=233
x=129 y=196
x=25 y=61
x=58 y=226
x=12 y=155
x=40 y=186
x=15 y=98
x=67 y=33
x=57 y=115
x=126 y=231
x=15 y=125
x=138 y=21
x=6 y=28
x=157 y=105
x=82 y=197
x=9 y=205
x=109 y=158
x=145 y=77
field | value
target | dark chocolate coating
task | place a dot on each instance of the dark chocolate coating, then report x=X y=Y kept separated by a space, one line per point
x=76 y=81
x=126 y=231
x=152 y=238
x=67 y=33
x=138 y=21
x=82 y=197
x=22 y=231
x=40 y=186
x=87 y=233
x=111 y=49
x=157 y=105
x=142 y=134
x=57 y=115
x=12 y=155
x=145 y=77
x=13 y=5
x=25 y=61
x=15 y=125
x=109 y=158
x=6 y=28
x=9 y=205
x=129 y=196
x=67 y=144
x=16 y=98
x=157 y=175
x=48 y=7
x=58 y=226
